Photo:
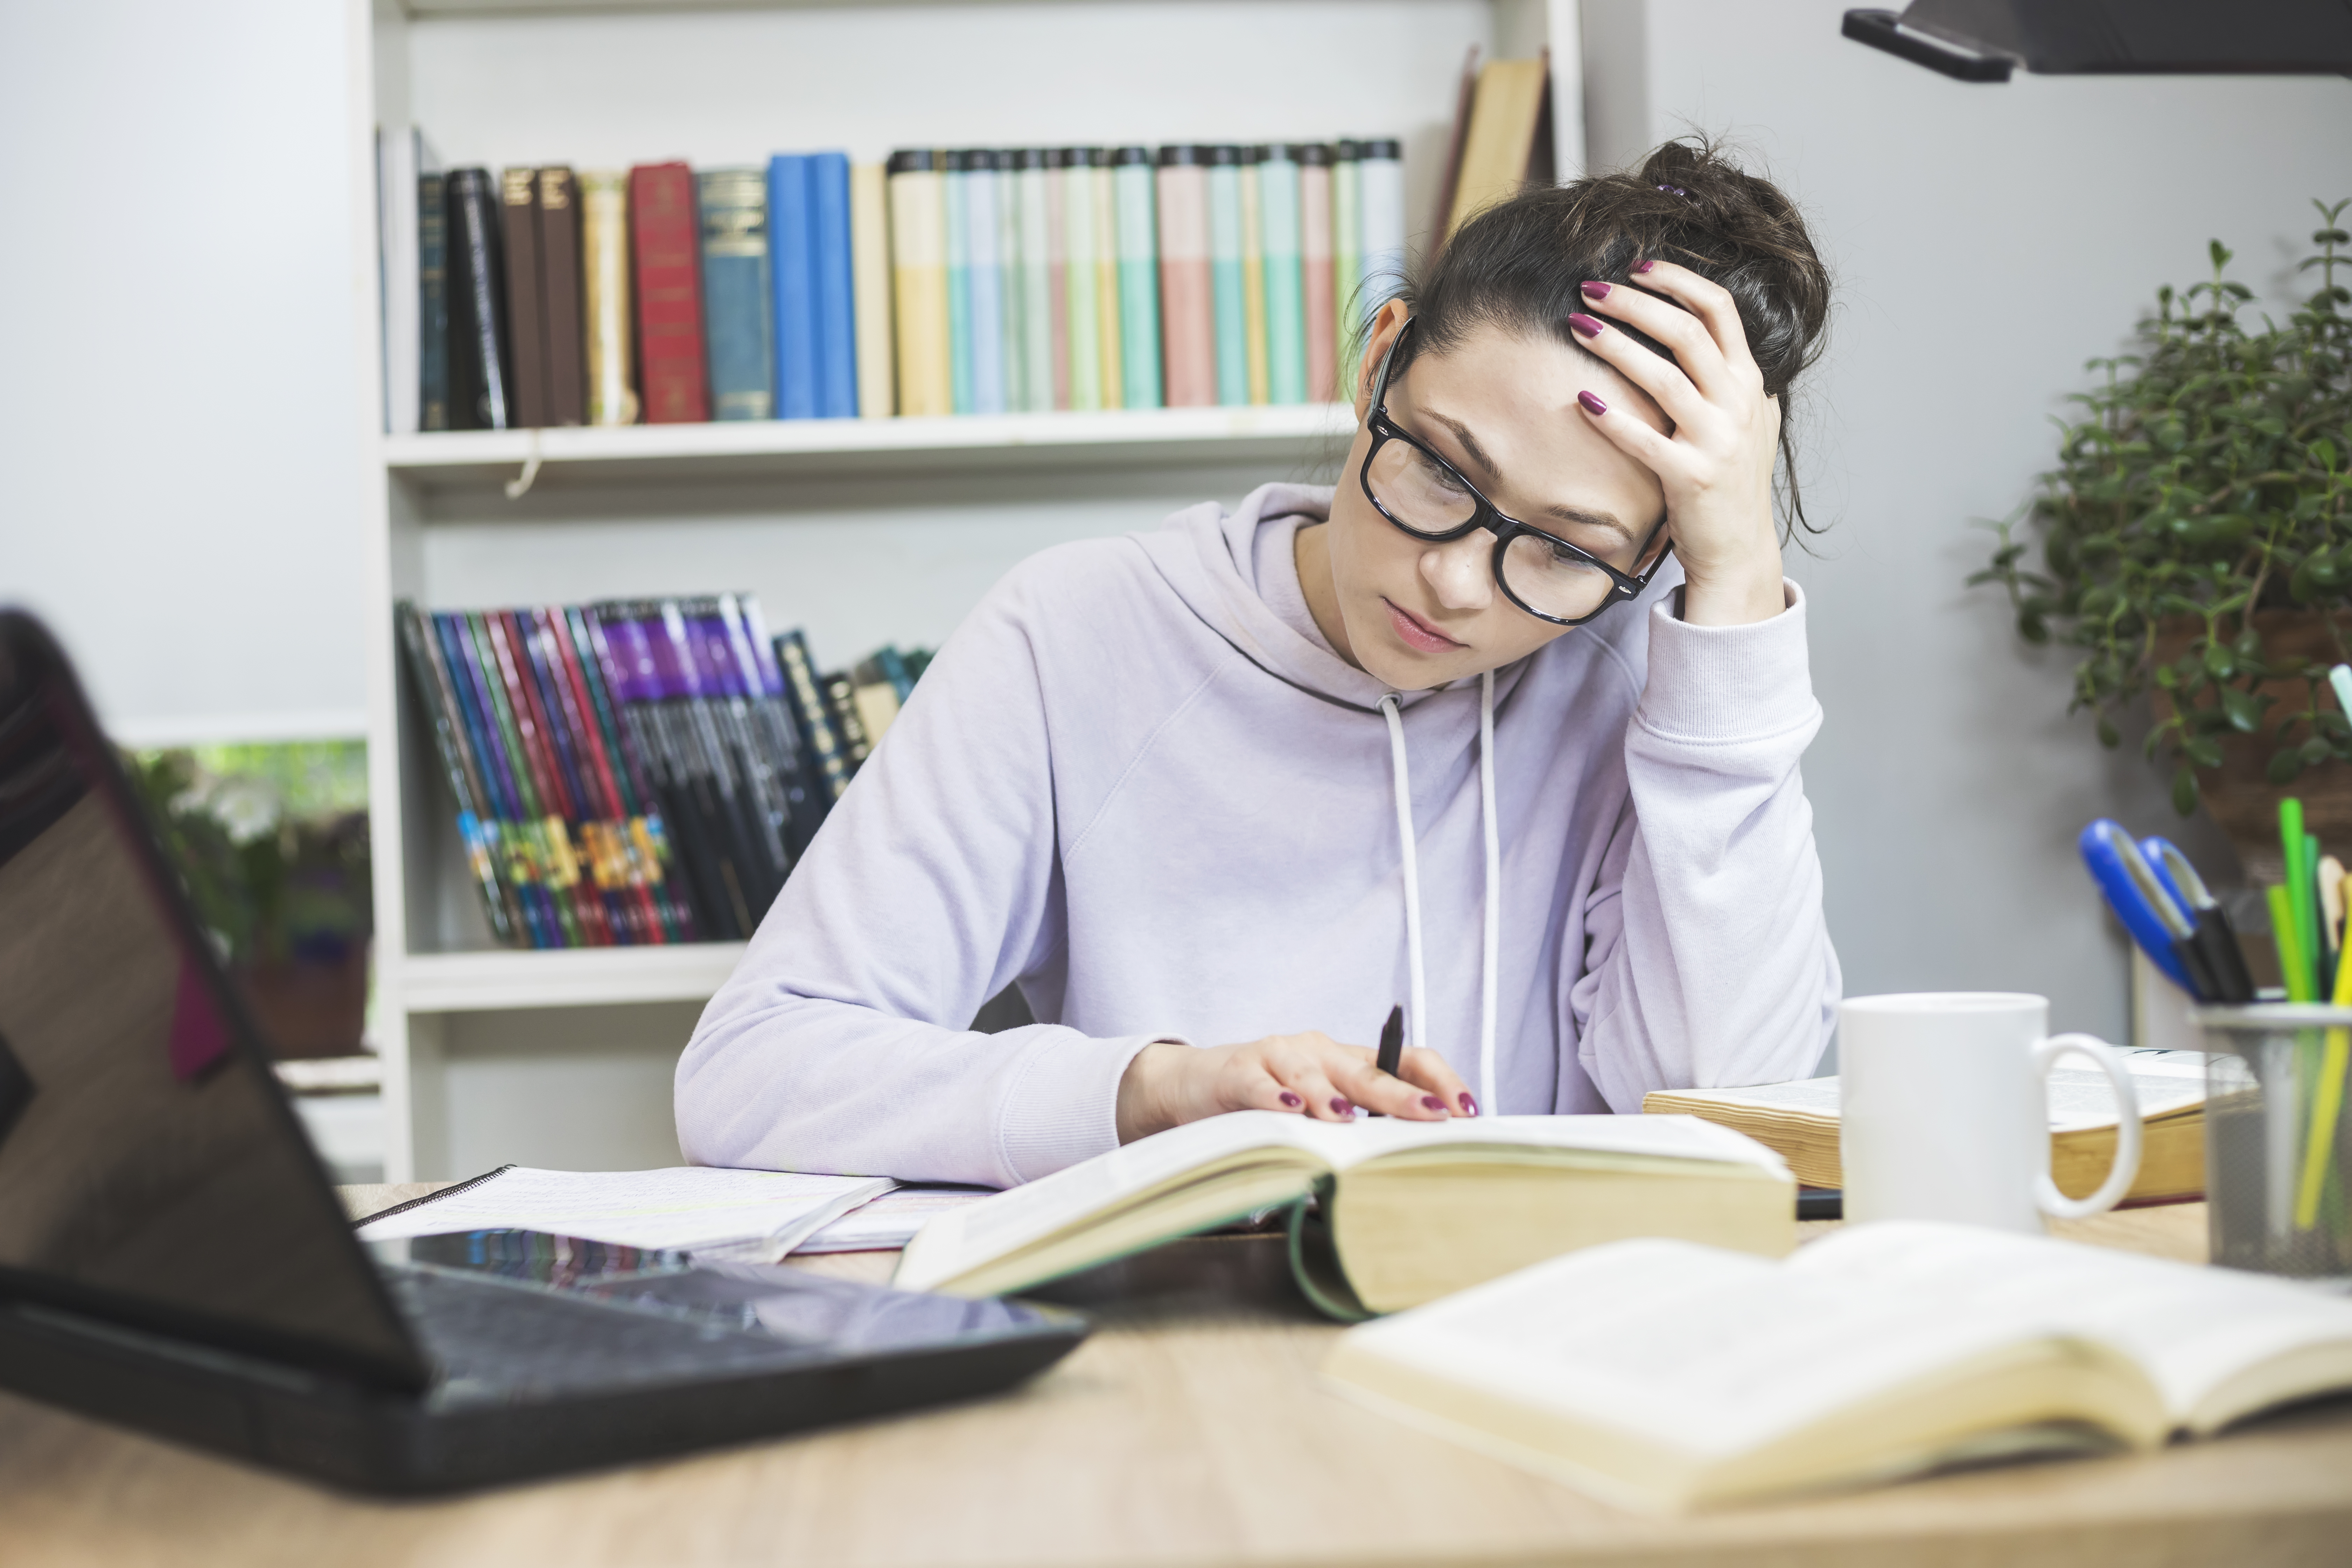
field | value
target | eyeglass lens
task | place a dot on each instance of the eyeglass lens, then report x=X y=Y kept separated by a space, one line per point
x=1423 y=496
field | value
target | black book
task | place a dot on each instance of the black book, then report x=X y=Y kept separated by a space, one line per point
x=481 y=360
x=433 y=301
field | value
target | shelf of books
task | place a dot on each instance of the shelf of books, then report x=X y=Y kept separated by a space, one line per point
x=741 y=384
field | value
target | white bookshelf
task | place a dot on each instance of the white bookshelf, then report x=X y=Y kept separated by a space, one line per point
x=864 y=532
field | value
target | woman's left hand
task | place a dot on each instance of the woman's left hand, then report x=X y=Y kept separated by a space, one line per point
x=1717 y=466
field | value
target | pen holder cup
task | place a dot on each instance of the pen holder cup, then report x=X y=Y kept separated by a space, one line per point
x=2278 y=1139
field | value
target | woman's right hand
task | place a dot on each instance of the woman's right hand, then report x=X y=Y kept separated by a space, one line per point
x=1310 y=1075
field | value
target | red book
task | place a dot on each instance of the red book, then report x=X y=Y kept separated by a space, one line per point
x=667 y=228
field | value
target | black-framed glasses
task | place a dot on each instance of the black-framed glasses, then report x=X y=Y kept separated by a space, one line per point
x=1425 y=496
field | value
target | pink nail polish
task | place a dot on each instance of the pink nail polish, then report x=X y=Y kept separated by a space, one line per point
x=1590 y=404
x=1431 y=1102
x=1596 y=290
x=1585 y=326
x=1644 y=265
x=1340 y=1106
x=1469 y=1106
x=1292 y=1100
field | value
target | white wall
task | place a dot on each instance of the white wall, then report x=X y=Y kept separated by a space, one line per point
x=1986 y=240
x=179 y=419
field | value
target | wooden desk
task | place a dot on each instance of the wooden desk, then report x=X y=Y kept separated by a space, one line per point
x=1189 y=1429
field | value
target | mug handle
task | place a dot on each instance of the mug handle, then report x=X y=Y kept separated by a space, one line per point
x=2055 y=1204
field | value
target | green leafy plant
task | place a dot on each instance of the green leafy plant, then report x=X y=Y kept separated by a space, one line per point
x=2207 y=480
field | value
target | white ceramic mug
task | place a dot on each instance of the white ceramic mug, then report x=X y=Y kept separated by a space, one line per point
x=1944 y=1109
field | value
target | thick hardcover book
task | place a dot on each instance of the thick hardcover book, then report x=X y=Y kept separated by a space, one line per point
x=833 y=257
x=918 y=276
x=481 y=393
x=666 y=229
x=840 y=689
x=475 y=817
x=737 y=318
x=643 y=826
x=806 y=694
x=611 y=320
x=559 y=297
x=526 y=316
x=433 y=301
x=518 y=857
x=869 y=244
x=792 y=241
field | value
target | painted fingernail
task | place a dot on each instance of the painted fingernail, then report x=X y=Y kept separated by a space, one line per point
x=1431 y=1102
x=1469 y=1106
x=1644 y=265
x=1596 y=290
x=1292 y=1100
x=1340 y=1106
x=1591 y=403
x=1586 y=326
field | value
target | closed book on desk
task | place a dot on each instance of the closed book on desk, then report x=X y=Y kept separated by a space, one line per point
x=1662 y=1376
x=735 y=307
x=665 y=226
x=1406 y=1211
x=1800 y=1122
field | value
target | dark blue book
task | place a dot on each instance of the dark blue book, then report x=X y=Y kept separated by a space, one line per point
x=837 y=307
x=794 y=226
x=735 y=293
x=433 y=301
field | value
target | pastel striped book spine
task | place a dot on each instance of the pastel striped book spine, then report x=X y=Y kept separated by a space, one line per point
x=918 y=282
x=1188 y=313
x=1225 y=275
x=1314 y=272
x=985 y=274
x=869 y=250
x=1254 y=273
x=1058 y=267
x=1081 y=279
x=1139 y=277
x=954 y=205
x=1348 y=242
x=1036 y=274
x=1012 y=257
x=1383 y=218
x=1107 y=312
x=1286 y=310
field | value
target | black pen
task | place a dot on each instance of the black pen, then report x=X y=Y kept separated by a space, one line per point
x=1391 y=1055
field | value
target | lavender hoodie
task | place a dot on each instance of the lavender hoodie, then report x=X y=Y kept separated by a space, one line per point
x=1137 y=784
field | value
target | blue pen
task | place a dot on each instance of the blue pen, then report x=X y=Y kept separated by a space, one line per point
x=2139 y=899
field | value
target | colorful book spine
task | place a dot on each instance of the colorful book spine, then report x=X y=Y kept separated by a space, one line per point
x=578 y=807
x=476 y=817
x=623 y=654
x=920 y=282
x=1280 y=220
x=611 y=312
x=1314 y=272
x=512 y=838
x=1254 y=273
x=1188 y=313
x=669 y=294
x=1012 y=255
x=1058 y=267
x=792 y=273
x=1225 y=275
x=806 y=694
x=480 y=395
x=869 y=246
x=834 y=262
x=955 y=206
x=1081 y=278
x=984 y=285
x=1139 y=277
x=737 y=291
x=1348 y=246
x=608 y=829
x=560 y=296
x=433 y=301
x=551 y=868
x=1383 y=202
x=525 y=313
x=1106 y=310
x=645 y=818
x=547 y=793
x=1034 y=276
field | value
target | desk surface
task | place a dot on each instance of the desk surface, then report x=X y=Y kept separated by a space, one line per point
x=1189 y=1429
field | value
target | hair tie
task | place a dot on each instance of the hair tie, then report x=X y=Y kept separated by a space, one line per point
x=1675 y=190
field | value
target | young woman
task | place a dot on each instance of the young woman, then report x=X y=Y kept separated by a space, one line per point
x=1506 y=728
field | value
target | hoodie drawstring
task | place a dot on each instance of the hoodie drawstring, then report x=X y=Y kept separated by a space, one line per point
x=1490 y=936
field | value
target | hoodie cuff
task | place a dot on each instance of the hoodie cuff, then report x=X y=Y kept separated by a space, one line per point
x=1727 y=683
x=1062 y=1105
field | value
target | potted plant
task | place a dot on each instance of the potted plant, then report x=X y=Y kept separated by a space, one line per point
x=272 y=847
x=2196 y=544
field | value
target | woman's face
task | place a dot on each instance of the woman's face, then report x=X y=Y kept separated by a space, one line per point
x=1501 y=409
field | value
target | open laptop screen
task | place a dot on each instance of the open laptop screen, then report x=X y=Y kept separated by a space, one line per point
x=150 y=1171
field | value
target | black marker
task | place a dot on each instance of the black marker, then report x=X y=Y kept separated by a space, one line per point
x=1391 y=1055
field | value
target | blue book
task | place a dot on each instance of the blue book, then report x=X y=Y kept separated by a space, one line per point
x=837 y=305
x=791 y=242
x=735 y=293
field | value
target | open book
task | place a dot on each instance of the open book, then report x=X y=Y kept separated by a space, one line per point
x=1799 y=1121
x=1408 y=1210
x=1662 y=1376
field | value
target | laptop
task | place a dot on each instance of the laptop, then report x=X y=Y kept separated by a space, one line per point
x=173 y=1258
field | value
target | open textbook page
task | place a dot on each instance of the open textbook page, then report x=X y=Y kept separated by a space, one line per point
x=890 y=1220
x=686 y=1207
x=2220 y=1343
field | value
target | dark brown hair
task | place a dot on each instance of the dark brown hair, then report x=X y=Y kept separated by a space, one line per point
x=1519 y=263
